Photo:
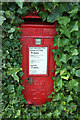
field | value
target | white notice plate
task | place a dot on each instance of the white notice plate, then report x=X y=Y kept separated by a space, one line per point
x=37 y=60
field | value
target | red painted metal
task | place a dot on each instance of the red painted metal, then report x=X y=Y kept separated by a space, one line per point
x=31 y=16
x=41 y=87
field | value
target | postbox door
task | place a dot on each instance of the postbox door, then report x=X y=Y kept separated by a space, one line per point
x=37 y=82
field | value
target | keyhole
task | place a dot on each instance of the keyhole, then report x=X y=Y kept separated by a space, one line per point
x=29 y=80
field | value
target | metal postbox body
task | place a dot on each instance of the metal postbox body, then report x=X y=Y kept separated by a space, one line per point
x=37 y=40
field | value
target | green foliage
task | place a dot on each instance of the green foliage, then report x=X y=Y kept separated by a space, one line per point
x=65 y=102
x=68 y=72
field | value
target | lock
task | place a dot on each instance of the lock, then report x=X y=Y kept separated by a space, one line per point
x=29 y=80
x=38 y=41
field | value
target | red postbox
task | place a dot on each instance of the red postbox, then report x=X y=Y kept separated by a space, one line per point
x=37 y=41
